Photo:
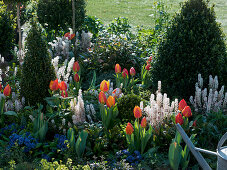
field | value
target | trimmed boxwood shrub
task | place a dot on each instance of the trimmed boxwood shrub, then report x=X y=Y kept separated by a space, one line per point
x=6 y=30
x=37 y=71
x=126 y=105
x=194 y=43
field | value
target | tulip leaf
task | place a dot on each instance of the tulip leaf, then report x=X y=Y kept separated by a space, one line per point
x=11 y=113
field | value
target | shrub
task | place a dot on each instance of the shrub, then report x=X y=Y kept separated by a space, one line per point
x=194 y=43
x=37 y=71
x=6 y=30
x=57 y=14
x=126 y=105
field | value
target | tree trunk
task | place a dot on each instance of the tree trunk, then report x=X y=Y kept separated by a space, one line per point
x=19 y=30
x=74 y=16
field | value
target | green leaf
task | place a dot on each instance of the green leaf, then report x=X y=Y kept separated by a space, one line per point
x=81 y=143
x=174 y=155
x=11 y=113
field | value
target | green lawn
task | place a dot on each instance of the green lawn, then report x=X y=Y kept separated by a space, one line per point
x=140 y=12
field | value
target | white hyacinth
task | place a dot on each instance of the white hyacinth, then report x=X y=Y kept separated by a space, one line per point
x=160 y=108
x=77 y=107
x=205 y=102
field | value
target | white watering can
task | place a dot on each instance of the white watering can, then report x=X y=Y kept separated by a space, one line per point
x=221 y=151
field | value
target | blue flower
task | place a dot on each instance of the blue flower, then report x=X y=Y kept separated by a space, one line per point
x=139 y=157
x=125 y=152
x=137 y=153
x=130 y=158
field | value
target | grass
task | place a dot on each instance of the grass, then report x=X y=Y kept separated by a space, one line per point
x=139 y=12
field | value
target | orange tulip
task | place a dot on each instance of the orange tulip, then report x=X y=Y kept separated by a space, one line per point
x=117 y=69
x=132 y=72
x=7 y=90
x=179 y=119
x=104 y=86
x=76 y=78
x=76 y=66
x=187 y=112
x=64 y=94
x=102 y=97
x=69 y=36
x=182 y=105
x=129 y=129
x=144 y=122
x=62 y=86
x=110 y=101
x=54 y=85
x=137 y=112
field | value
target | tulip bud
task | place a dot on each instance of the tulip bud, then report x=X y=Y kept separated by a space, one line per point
x=76 y=78
x=76 y=66
x=104 y=86
x=54 y=85
x=182 y=105
x=129 y=129
x=110 y=101
x=179 y=119
x=137 y=112
x=132 y=72
x=187 y=111
x=124 y=73
x=62 y=86
x=64 y=94
x=150 y=59
x=7 y=90
x=148 y=66
x=117 y=69
x=144 y=122
x=102 y=97
x=0 y=87
x=51 y=85
x=194 y=123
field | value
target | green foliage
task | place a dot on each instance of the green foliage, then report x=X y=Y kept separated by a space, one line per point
x=57 y=14
x=78 y=145
x=6 y=30
x=126 y=105
x=37 y=71
x=119 y=26
x=194 y=43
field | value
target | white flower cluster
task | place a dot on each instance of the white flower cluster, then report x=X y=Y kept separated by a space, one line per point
x=60 y=47
x=205 y=102
x=91 y=112
x=86 y=40
x=2 y=59
x=14 y=104
x=78 y=109
x=160 y=108
x=63 y=73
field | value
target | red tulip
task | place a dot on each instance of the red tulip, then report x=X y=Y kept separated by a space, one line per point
x=129 y=129
x=124 y=73
x=104 y=86
x=76 y=66
x=132 y=72
x=76 y=78
x=194 y=123
x=69 y=36
x=117 y=69
x=179 y=119
x=150 y=59
x=0 y=87
x=110 y=101
x=54 y=85
x=102 y=97
x=187 y=111
x=182 y=105
x=62 y=86
x=144 y=122
x=7 y=90
x=148 y=66
x=64 y=93
x=137 y=112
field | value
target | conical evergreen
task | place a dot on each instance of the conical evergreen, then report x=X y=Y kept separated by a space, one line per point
x=37 y=71
x=194 y=43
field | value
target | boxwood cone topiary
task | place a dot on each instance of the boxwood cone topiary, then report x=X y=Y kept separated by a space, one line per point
x=37 y=71
x=194 y=43
x=6 y=31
